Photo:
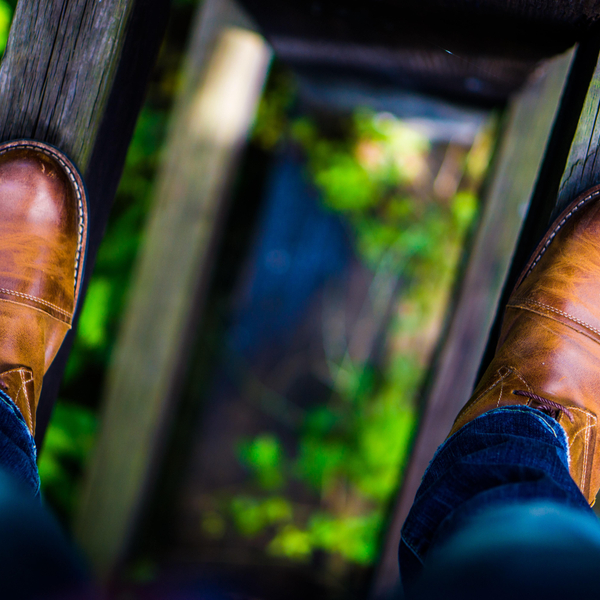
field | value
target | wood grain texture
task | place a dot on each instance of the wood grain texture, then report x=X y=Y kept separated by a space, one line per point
x=56 y=77
x=530 y=119
x=582 y=170
x=223 y=79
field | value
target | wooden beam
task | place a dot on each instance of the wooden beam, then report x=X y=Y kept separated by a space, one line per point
x=582 y=170
x=227 y=66
x=74 y=75
x=530 y=119
x=60 y=63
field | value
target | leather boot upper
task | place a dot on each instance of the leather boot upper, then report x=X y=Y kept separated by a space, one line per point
x=548 y=355
x=43 y=228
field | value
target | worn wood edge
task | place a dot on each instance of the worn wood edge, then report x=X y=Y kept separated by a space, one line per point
x=147 y=363
x=469 y=326
x=77 y=68
x=582 y=170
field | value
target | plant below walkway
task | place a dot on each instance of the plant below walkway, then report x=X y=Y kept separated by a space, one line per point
x=409 y=205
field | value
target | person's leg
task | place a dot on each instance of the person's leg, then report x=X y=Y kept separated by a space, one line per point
x=532 y=549
x=36 y=560
x=43 y=229
x=526 y=443
x=504 y=459
x=18 y=453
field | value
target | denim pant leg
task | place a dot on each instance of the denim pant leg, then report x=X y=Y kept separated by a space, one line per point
x=524 y=551
x=18 y=454
x=510 y=458
x=36 y=560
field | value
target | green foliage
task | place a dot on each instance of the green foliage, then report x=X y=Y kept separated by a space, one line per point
x=67 y=446
x=263 y=455
x=252 y=515
x=375 y=172
x=6 y=13
x=271 y=122
x=93 y=321
x=292 y=542
x=464 y=209
x=369 y=176
x=355 y=538
x=352 y=537
x=320 y=459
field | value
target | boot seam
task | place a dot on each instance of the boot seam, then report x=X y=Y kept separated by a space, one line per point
x=36 y=299
x=590 y=422
x=39 y=309
x=28 y=417
x=500 y=378
x=558 y=228
x=513 y=304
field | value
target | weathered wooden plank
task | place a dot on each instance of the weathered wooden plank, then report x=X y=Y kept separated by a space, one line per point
x=530 y=119
x=74 y=75
x=582 y=170
x=473 y=51
x=57 y=74
x=224 y=76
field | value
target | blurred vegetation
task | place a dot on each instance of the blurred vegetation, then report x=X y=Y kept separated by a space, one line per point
x=6 y=12
x=409 y=218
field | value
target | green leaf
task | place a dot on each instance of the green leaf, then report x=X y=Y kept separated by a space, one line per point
x=6 y=13
x=93 y=322
x=291 y=542
x=264 y=456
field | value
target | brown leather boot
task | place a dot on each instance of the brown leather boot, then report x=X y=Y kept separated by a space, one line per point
x=43 y=231
x=548 y=355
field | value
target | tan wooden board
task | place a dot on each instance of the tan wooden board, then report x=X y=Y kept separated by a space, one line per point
x=226 y=68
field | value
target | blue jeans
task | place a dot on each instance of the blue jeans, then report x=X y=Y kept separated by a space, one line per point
x=498 y=515
x=36 y=560
x=18 y=454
